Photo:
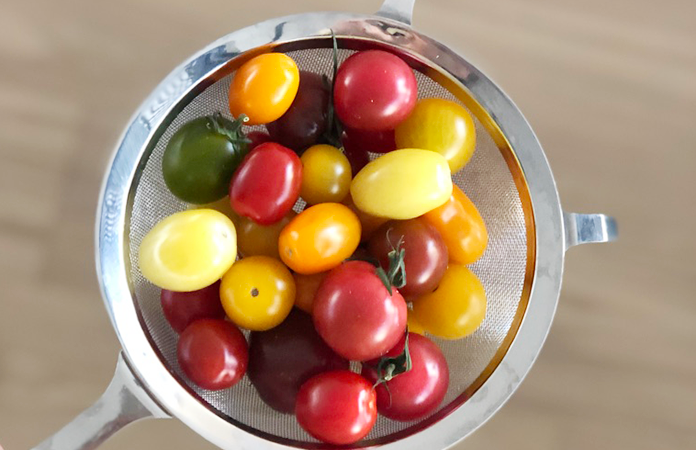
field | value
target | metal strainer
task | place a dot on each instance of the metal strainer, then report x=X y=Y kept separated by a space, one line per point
x=509 y=180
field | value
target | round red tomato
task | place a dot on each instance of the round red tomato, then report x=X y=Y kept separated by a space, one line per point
x=355 y=313
x=213 y=353
x=414 y=394
x=283 y=358
x=337 y=407
x=267 y=183
x=374 y=90
x=426 y=253
x=182 y=308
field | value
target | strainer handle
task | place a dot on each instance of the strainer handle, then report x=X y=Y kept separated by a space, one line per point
x=401 y=10
x=123 y=402
x=588 y=229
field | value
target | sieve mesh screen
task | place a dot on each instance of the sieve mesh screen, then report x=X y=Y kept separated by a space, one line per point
x=486 y=179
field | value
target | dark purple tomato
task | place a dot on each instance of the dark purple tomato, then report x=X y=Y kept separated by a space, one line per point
x=305 y=122
x=257 y=138
x=425 y=257
x=357 y=155
x=369 y=141
x=283 y=358
x=267 y=183
x=182 y=308
x=213 y=353
x=355 y=313
x=414 y=394
x=337 y=407
x=374 y=90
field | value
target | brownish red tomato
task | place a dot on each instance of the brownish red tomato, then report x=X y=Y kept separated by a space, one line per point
x=182 y=308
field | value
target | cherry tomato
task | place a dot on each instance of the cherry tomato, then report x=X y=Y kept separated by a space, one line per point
x=326 y=175
x=456 y=308
x=357 y=156
x=414 y=394
x=282 y=359
x=307 y=286
x=355 y=313
x=254 y=239
x=188 y=250
x=319 y=238
x=213 y=353
x=267 y=183
x=306 y=120
x=264 y=87
x=461 y=227
x=201 y=157
x=382 y=141
x=402 y=184
x=442 y=126
x=368 y=223
x=223 y=206
x=337 y=407
x=374 y=90
x=182 y=308
x=425 y=258
x=257 y=138
x=257 y=293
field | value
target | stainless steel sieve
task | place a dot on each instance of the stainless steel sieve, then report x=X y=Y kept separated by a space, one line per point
x=508 y=178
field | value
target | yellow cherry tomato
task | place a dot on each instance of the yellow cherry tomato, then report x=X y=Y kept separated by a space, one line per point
x=326 y=175
x=254 y=239
x=307 y=286
x=402 y=184
x=188 y=250
x=319 y=238
x=413 y=325
x=456 y=308
x=264 y=87
x=461 y=227
x=257 y=293
x=442 y=126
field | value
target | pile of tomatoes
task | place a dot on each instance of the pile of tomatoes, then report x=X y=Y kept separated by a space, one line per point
x=332 y=283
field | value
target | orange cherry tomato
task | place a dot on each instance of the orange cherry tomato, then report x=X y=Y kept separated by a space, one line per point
x=461 y=226
x=369 y=223
x=306 y=288
x=319 y=238
x=264 y=88
x=254 y=239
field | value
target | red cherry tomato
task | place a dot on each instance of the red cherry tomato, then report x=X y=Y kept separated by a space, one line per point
x=337 y=407
x=266 y=184
x=426 y=253
x=283 y=358
x=182 y=308
x=257 y=138
x=213 y=353
x=355 y=313
x=357 y=155
x=374 y=90
x=306 y=120
x=414 y=394
x=369 y=141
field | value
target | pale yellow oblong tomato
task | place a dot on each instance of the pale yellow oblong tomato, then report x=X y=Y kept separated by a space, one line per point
x=456 y=308
x=188 y=250
x=442 y=126
x=402 y=184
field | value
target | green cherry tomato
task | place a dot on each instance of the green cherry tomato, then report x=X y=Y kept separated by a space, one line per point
x=326 y=175
x=188 y=250
x=201 y=157
x=442 y=126
x=402 y=184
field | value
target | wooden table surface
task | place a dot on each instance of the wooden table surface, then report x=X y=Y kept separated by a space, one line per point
x=610 y=88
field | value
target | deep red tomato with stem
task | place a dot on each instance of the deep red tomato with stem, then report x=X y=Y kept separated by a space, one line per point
x=337 y=407
x=283 y=358
x=213 y=353
x=267 y=183
x=416 y=393
x=356 y=314
x=307 y=119
x=374 y=90
x=182 y=308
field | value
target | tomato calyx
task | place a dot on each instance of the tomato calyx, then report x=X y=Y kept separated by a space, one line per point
x=395 y=276
x=390 y=367
x=233 y=133
x=334 y=130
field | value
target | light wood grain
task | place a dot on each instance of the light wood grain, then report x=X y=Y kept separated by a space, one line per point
x=610 y=88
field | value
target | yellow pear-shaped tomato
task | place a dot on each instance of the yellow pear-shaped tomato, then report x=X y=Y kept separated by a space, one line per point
x=442 y=126
x=188 y=250
x=456 y=308
x=402 y=184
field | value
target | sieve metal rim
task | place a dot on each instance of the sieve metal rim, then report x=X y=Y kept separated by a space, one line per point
x=112 y=266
